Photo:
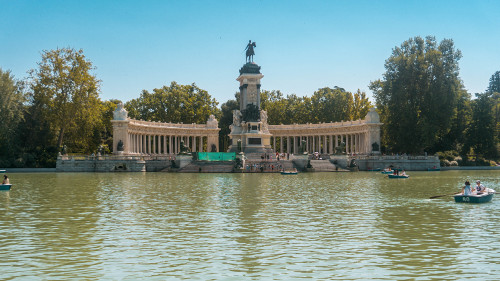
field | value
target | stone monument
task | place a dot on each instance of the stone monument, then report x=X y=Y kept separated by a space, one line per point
x=120 y=125
x=250 y=122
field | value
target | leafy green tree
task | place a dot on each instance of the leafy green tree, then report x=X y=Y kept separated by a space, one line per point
x=361 y=106
x=494 y=85
x=11 y=114
x=298 y=110
x=65 y=94
x=331 y=105
x=419 y=93
x=274 y=104
x=455 y=139
x=481 y=131
x=494 y=89
x=175 y=103
x=225 y=121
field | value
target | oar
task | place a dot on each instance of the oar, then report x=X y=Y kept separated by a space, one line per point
x=437 y=196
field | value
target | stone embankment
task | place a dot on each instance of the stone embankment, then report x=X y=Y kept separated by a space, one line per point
x=251 y=163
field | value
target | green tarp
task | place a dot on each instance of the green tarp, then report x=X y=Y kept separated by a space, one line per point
x=216 y=156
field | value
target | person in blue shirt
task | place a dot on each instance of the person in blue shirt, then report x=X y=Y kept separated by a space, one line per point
x=467 y=190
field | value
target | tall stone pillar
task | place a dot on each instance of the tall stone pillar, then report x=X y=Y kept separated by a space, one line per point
x=372 y=120
x=249 y=122
x=121 y=144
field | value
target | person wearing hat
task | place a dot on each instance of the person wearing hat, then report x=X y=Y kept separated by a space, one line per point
x=479 y=187
x=467 y=190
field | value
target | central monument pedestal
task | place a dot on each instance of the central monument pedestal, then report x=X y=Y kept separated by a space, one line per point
x=249 y=131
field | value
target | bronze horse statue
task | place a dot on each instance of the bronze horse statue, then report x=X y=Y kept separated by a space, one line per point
x=250 y=51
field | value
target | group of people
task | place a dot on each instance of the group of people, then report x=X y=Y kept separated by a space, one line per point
x=478 y=189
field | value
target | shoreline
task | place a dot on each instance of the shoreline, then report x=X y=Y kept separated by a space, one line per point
x=53 y=170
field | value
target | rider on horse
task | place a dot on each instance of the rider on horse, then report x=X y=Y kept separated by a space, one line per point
x=250 y=51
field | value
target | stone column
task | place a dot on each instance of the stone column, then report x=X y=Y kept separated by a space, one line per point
x=352 y=143
x=347 y=143
x=143 y=143
x=152 y=142
x=325 y=144
x=169 y=144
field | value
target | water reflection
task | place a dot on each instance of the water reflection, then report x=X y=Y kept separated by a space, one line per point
x=326 y=226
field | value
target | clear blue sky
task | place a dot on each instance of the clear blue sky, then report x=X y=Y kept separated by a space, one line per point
x=301 y=45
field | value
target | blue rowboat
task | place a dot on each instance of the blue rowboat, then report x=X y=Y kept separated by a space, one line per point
x=398 y=176
x=2 y=171
x=433 y=169
x=475 y=198
x=288 y=173
x=5 y=186
x=385 y=172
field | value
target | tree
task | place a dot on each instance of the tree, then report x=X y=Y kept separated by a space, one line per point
x=175 y=103
x=65 y=93
x=361 y=106
x=226 y=120
x=494 y=85
x=419 y=93
x=494 y=89
x=11 y=114
x=481 y=131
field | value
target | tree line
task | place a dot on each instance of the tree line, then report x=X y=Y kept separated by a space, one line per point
x=420 y=98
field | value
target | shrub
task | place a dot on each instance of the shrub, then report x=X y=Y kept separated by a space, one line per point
x=444 y=163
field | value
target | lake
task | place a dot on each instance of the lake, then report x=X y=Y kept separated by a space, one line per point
x=320 y=226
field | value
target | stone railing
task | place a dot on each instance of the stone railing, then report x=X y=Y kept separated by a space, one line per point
x=394 y=157
x=116 y=157
x=166 y=125
x=317 y=126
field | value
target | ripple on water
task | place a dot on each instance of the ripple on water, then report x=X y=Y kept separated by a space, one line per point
x=325 y=226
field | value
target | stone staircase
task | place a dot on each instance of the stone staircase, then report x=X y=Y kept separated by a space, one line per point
x=208 y=167
x=287 y=165
x=325 y=166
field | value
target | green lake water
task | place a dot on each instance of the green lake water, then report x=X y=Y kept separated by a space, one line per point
x=317 y=226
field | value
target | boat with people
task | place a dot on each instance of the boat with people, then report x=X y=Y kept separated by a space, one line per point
x=401 y=176
x=434 y=169
x=387 y=171
x=5 y=185
x=479 y=197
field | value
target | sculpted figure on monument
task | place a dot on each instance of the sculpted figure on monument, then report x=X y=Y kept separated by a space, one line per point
x=120 y=113
x=236 y=117
x=120 y=146
x=250 y=51
x=212 y=122
x=263 y=119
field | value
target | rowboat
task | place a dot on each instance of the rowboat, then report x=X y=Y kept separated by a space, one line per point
x=398 y=176
x=475 y=198
x=433 y=169
x=5 y=186
x=288 y=172
x=2 y=171
x=386 y=172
